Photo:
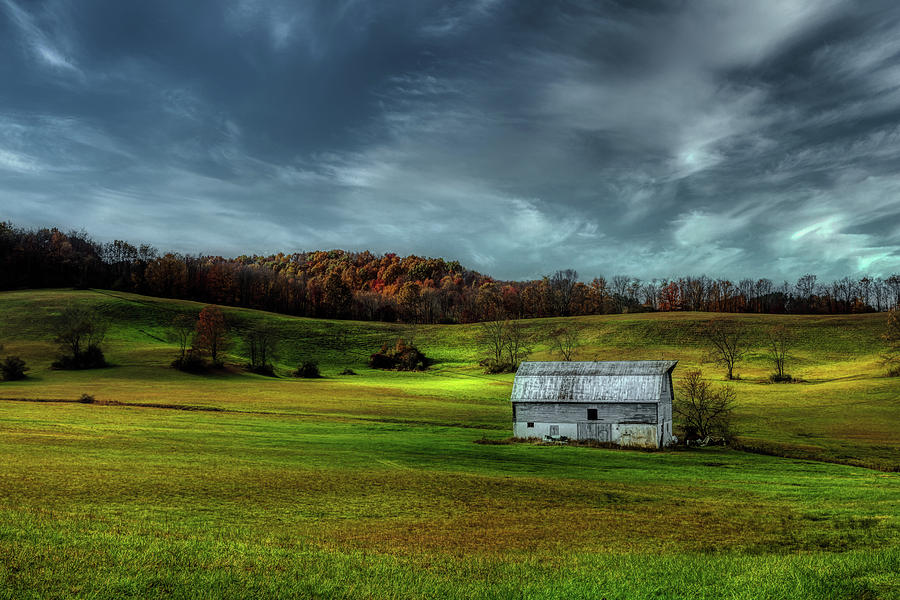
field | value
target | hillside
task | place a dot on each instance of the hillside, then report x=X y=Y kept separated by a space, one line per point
x=371 y=486
x=845 y=410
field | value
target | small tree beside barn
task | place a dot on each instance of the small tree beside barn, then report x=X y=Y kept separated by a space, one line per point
x=621 y=402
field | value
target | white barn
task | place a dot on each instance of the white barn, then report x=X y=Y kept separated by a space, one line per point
x=623 y=402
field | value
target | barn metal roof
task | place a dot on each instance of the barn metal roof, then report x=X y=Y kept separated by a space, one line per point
x=608 y=381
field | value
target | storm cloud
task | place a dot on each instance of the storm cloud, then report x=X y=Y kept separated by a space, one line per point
x=653 y=138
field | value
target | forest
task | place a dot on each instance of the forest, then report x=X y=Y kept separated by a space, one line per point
x=391 y=288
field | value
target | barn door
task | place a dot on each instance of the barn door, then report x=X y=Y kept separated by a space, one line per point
x=594 y=431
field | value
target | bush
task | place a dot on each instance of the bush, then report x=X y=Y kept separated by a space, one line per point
x=348 y=372
x=493 y=367
x=86 y=399
x=91 y=358
x=308 y=370
x=192 y=362
x=267 y=370
x=13 y=368
x=780 y=378
x=401 y=356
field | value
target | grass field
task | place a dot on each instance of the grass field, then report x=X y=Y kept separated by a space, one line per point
x=370 y=486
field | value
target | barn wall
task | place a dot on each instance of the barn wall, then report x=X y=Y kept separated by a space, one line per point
x=542 y=430
x=665 y=411
x=553 y=412
x=626 y=434
x=643 y=436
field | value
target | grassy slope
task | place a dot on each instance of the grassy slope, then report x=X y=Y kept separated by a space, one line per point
x=370 y=486
x=845 y=411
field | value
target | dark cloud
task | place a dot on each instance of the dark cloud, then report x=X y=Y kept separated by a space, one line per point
x=653 y=138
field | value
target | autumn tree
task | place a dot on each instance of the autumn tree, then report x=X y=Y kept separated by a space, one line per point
x=337 y=296
x=564 y=341
x=778 y=341
x=703 y=410
x=212 y=334
x=727 y=343
x=890 y=358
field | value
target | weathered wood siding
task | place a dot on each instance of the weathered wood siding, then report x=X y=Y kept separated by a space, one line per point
x=624 y=412
x=602 y=432
x=643 y=436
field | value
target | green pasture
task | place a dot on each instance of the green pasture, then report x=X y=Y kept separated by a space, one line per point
x=370 y=486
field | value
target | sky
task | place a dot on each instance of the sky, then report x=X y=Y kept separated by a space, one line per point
x=656 y=139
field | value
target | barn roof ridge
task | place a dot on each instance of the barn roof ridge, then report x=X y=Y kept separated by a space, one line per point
x=593 y=381
x=595 y=368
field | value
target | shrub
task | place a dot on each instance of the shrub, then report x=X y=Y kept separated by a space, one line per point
x=86 y=399
x=90 y=358
x=308 y=370
x=348 y=372
x=192 y=362
x=492 y=367
x=402 y=356
x=267 y=370
x=780 y=378
x=13 y=368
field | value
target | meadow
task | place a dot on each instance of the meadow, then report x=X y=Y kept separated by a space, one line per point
x=371 y=486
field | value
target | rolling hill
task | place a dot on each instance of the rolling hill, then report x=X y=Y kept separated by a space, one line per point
x=237 y=485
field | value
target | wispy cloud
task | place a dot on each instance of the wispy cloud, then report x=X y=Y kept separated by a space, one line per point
x=44 y=48
x=755 y=138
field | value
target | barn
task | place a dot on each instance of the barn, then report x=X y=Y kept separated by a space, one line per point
x=623 y=402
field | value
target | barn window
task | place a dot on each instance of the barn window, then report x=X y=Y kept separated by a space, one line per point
x=592 y=414
x=530 y=424
x=514 y=412
x=554 y=430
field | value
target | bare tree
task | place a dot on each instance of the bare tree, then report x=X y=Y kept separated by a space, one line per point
x=890 y=358
x=505 y=345
x=620 y=291
x=564 y=342
x=727 y=342
x=562 y=284
x=491 y=336
x=806 y=285
x=182 y=332
x=704 y=411
x=262 y=345
x=778 y=343
x=517 y=344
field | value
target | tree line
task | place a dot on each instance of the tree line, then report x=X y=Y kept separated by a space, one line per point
x=414 y=289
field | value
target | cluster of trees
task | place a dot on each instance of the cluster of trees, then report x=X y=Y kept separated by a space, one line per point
x=366 y=286
x=205 y=336
x=728 y=342
x=401 y=355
